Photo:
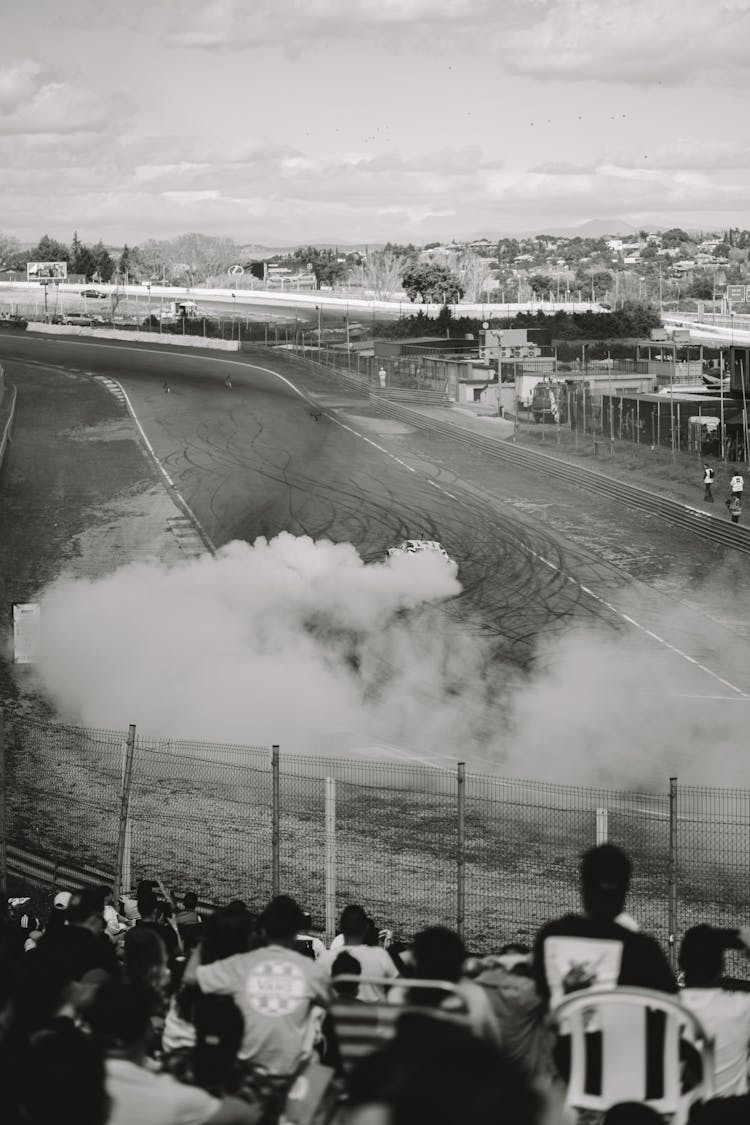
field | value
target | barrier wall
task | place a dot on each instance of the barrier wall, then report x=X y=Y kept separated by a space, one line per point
x=155 y=338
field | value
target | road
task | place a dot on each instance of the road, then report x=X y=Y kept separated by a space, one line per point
x=538 y=560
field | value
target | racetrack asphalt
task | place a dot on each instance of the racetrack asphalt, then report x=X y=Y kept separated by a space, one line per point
x=294 y=449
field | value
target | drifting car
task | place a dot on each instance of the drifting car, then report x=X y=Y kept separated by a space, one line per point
x=415 y=546
x=93 y=293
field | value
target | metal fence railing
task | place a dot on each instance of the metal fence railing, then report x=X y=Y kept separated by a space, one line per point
x=495 y=857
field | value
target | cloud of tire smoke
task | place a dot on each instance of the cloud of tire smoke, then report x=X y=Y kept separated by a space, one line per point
x=301 y=643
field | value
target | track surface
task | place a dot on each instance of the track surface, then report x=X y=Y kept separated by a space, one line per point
x=536 y=554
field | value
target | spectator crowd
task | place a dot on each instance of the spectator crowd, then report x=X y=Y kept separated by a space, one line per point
x=152 y=1011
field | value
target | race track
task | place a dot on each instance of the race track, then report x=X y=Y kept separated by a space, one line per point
x=288 y=449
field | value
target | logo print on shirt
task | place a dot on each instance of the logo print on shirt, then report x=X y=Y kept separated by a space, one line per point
x=276 y=988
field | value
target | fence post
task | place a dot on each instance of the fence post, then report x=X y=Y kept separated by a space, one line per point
x=602 y=826
x=275 y=820
x=122 y=834
x=460 y=846
x=3 y=817
x=330 y=859
x=672 y=869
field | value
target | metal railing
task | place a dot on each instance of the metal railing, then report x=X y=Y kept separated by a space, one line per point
x=495 y=857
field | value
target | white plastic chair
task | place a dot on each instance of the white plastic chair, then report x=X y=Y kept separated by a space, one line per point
x=620 y=1015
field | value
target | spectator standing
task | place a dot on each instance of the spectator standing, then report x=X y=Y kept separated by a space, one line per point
x=152 y=915
x=382 y=377
x=275 y=988
x=307 y=943
x=189 y=922
x=724 y=1014
x=708 y=480
x=592 y=948
x=69 y=951
x=374 y=961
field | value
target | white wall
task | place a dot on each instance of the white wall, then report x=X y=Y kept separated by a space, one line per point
x=139 y=337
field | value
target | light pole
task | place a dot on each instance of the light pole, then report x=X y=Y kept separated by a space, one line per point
x=671 y=394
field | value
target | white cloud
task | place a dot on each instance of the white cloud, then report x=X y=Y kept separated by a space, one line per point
x=673 y=42
x=34 y=99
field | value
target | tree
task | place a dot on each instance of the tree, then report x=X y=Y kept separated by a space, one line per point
x=201 y=256
x=474 y=273
x=84 y=262
x=540 y=284
x=9 y=248
x=324 y=264
x=381 y=273
x=155 y=256
x=49 y=250
x=125 y=264
x=674 y=237
x=104 y=264
x=700 y=289
x=429 y=281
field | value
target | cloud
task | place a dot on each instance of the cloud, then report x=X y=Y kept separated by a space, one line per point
x=672 y=43
x=300 y=24
x=35 y=99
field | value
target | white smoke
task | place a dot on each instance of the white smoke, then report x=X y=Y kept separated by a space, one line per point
x=301 y=643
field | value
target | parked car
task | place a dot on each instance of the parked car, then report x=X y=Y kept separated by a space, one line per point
x=77 y=318
x=92 y=293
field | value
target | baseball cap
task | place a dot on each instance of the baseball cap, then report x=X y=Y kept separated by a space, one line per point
x=605 y=870
x=61 y=900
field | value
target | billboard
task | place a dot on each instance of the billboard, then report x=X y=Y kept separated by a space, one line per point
x=46 y=271
x=26 y=632
x=735 y=292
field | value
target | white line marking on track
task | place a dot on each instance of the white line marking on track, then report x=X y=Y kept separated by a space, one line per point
x=156 y=460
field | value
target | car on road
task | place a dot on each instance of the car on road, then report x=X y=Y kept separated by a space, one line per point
x=12 y=320
x=419 y=546
x=93 y=293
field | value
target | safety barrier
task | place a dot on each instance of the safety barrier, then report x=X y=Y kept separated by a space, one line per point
x=493 y=856
x=169 y=339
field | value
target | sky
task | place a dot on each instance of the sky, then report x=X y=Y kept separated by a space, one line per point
x=274 y=121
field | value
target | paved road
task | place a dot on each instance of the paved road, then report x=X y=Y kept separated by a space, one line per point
x=536 y=557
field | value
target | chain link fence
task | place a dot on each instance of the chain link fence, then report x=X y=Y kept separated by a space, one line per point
x=495 y=857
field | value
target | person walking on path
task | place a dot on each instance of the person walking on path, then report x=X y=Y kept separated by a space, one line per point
x=734 y=504
x=708 y=480
x=737 y=484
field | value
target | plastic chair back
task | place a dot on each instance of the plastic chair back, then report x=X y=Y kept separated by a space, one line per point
x=631 y=1037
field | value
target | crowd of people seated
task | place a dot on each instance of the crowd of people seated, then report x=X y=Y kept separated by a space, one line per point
x=148 y=1011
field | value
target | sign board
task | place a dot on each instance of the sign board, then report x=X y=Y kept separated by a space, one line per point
x=236 y=271
x=26 y=632
x=736 y=292
x=46 y=271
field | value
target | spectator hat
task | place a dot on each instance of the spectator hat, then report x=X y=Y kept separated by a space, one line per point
x=61 y=900
x=606 y=871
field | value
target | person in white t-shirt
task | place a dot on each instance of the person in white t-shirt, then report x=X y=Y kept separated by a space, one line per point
x=724 y=1014
x=374 y=960
x=737 y=484
x=275 y=988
